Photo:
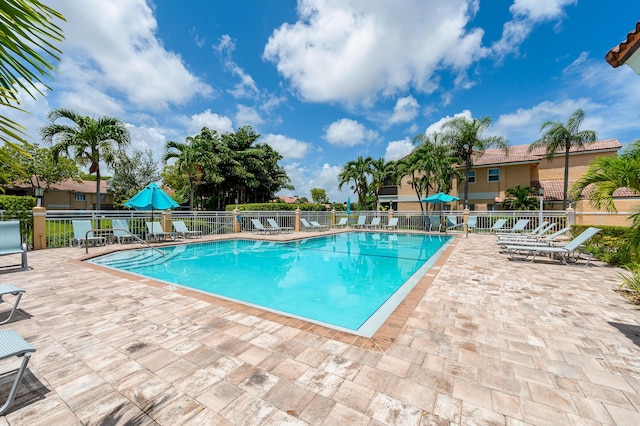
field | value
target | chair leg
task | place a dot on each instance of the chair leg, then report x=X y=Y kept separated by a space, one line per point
x=16 y=383
x=15 y=306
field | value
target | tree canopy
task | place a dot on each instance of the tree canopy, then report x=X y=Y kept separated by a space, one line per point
x=28 y=35
x=221 y=168
x=560 y=137
x=87 y=140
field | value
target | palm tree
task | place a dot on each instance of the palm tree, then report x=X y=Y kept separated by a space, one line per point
x=381 y=172
x=27 y=34
x=357 y=171
x=607 y=174
x=89 y=141
x=520 y=198
x=561 y=137
x=465 y=136
x=194 y=157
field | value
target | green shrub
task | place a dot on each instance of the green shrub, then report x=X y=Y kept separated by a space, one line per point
x=19 y=207
x=631 y=281
x=262 y=207
x=609 y=245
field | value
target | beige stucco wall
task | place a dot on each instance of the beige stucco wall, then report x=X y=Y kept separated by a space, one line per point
x=588 y=215
x=65 y=200
x=578 y=165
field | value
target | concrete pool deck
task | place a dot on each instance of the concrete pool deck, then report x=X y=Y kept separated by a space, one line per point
x=484 y=340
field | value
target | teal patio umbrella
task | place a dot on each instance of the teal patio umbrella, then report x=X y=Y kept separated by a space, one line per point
x=439 y=198
x=348 y=205
x=151 y=197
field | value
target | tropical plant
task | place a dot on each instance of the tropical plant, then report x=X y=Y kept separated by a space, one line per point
x=520 y=198
x=429 y=166
x=358 y=172
x=560 y=137
x=27 y=35
x=132 y=172
x=36 y=167
x=220 y=169
x=89 y=140
x=319 y=196
x=466 y=137
x=381 y=173
x=194 y=158
x=607 y=174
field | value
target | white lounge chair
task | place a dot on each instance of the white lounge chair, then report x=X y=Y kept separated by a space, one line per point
x=392 y=224
x=375 y=223
x=342 y=223
x=313 y=225
x=182 y=230
x=12 y=344
x=520 y=226
x=6 y=289
x=565 y=252
x=536 y=241
x=259 y=228
x=472 y=223
x=362 y=220
x=83 y=234
x=274 y=225
x=121 y=231
x=11 y=241
x=155 y=232
x=497 y=225
x=527 y=236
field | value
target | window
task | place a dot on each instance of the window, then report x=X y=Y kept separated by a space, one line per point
x=494 y=175
x=103 y=198
x=79 y=197
x=472 y=176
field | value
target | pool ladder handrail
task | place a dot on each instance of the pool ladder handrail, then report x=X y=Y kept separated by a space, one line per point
x=140 y=240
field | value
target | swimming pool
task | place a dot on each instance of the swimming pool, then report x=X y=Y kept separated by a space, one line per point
x=347 y=281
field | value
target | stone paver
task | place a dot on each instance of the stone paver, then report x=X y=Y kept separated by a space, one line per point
x=482 y=340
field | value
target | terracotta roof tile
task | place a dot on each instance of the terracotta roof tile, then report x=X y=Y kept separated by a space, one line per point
x=553 y=190
x=619 y=54
x=86 y=186
x=520 y=153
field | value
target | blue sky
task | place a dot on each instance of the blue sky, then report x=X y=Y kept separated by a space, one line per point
x=324 y=81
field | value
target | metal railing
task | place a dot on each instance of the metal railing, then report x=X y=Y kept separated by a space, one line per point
x=59 y=229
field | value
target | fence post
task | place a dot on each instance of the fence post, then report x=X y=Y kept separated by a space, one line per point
x=571 y=216
x=333 y=218
x=465 y=220
x=39 y=228
x=236 y=220
x=166 y=221
x=296 y=225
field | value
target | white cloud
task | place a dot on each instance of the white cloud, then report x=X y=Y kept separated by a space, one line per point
x=248 y=115
x=123 y=55
x=398 y=149
x=526 y=14
x=144 y=138
x=304 y=178
x=354 y=51
x=346 y=132
x=246 y=87
x=33 y=115
x=405 y=110
x=210 y=120
x=540 y=10
x=437 y=126
x=523 y=125
x=286 y=146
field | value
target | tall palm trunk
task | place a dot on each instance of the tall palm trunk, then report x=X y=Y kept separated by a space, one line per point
x=566 y=177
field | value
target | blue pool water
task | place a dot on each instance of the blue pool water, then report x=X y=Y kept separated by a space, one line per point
x=349 y=281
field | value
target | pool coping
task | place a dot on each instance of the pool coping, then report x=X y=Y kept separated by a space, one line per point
x=381 y=340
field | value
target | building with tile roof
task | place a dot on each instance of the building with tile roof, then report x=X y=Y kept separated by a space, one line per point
x=70 y=195
x=627 y=51
x=494 y=171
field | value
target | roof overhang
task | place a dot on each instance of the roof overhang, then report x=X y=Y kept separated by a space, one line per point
x=627 y=52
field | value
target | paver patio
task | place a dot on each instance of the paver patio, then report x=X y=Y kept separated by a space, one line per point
x=490 y=341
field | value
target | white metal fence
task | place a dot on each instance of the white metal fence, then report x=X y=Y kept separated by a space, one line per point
x=59 y=229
